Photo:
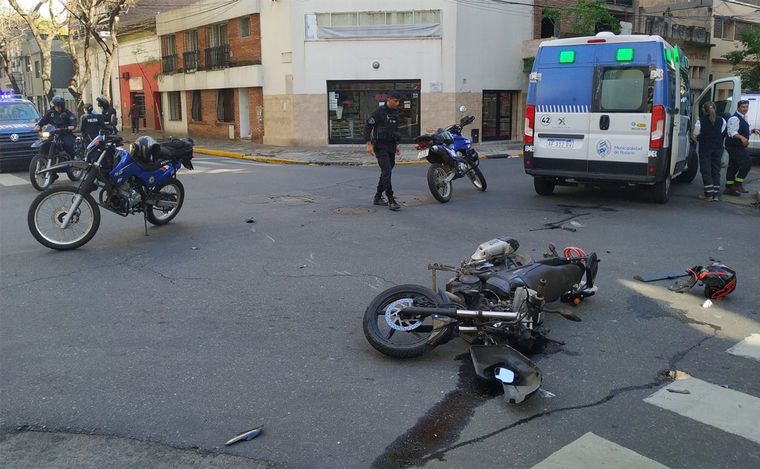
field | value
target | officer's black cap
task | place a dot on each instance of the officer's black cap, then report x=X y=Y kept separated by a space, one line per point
x=394 y=94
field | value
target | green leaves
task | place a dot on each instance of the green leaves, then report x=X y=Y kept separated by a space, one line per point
x=746 y=61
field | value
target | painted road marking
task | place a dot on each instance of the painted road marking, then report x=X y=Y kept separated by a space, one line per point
x=11 y=180
x=731 y=411
x=591 y=451
x=748 y=348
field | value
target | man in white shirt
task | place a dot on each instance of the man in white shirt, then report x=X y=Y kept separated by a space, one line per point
x=739 y=162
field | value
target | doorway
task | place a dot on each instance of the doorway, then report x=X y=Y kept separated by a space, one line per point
x=245 y=113
x=497 y=114
x=139 y=99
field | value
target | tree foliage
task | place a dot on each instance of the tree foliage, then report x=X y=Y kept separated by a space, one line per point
x=746 y=61
x=589 y=15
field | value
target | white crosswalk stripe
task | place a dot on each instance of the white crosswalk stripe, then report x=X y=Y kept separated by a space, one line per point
x=731 y=411
x=8 y=180
x=748 y=348
x=591 y=452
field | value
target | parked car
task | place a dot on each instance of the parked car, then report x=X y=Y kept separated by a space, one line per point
x=17 y=119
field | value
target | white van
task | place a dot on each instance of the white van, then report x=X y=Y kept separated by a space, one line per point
x=610 y=108
x=724 y=93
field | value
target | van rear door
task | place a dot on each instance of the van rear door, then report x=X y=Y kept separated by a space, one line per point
x=562 y=101
x=620 y=119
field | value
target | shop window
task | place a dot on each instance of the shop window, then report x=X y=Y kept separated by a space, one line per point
x=225 y=106
x=245 y=26
x=175 y=106
x=196 y=106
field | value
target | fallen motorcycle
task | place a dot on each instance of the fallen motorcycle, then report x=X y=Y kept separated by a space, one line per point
x=496 y=301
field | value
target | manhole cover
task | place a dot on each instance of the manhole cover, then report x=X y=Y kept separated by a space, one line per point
x=291 y=199
x=354 y=210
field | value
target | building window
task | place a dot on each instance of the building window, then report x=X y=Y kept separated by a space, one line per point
x=245 y=26
x=365 y=18
x=175 y=106
x=196 y=106
x=191 y=56
x=37 y=68
x=742 y=28
x=225 y=106
x=168 y=54
x=217 y=35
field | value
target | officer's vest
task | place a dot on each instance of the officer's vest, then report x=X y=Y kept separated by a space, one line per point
x=743 y=131
x=386 y=129
x=710 y=135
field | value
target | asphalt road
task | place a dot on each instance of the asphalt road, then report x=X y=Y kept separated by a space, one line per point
x=138 y=351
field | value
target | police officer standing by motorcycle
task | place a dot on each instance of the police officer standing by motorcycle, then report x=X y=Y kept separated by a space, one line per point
x=382 y=137
x=89 y=124
x=107 y=114
x=64 y=122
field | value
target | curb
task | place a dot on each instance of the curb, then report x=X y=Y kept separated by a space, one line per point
x=275 y=160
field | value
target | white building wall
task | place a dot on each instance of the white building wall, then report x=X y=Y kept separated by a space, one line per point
x=204 y=12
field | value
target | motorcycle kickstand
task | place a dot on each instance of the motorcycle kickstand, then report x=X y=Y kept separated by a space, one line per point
x=145 y=221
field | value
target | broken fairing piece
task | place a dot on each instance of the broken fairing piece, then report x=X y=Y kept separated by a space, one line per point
x=246 y=436
x=544 y=393
x=707 y=304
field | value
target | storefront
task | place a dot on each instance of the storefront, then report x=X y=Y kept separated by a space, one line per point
x=498 y=107
x=350 y=103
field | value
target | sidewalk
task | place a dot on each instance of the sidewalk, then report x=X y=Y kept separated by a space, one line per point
x=356 y=155
x=345 y=155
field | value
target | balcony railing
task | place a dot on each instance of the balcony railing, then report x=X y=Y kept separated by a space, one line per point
x=190 y=59
x=678 y=32
x=218 y=57
x=169 y=63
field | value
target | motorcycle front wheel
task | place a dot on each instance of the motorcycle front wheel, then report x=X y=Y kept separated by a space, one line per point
x=40 y=181
x=439 y=187
x=48 y=211
x=170 y=198
x=476 y=178
x=395 y=335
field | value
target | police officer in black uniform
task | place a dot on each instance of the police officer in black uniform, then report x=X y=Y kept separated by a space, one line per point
x=710 y=132
x=382 y=137
x=107 y=114
x=64 y=121
x=89 y=124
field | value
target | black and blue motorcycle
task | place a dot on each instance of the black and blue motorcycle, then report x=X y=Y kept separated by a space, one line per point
x=451 y=157
x=67 y=217
x=50 y=153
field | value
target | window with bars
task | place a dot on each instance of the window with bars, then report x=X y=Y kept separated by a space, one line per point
x=363 y=18
x=225 y=106
x=175 y=106
x=196 y=106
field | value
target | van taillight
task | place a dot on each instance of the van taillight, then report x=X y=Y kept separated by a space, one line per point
x=657 y=136
x=530 y=119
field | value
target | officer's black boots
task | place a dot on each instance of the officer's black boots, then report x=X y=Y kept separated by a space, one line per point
x=379 y=200
x=392 y=204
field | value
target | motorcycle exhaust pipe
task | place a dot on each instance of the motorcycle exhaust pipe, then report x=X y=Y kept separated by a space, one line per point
x=461 y=313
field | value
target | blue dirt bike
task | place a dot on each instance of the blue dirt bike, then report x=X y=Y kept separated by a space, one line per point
x=451 y=156
x=67 y=217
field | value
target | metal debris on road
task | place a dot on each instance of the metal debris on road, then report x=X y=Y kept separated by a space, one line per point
x=195 y=248
x=544 y=393
x=651 y=277
x=246 y=435
x=679 y=391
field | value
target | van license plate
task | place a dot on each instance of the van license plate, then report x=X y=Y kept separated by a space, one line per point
x=559 y=143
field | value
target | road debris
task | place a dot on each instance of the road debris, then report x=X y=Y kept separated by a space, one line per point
x=654 y=276
x=195 y=248
x=707 y=304
x=251 y=220
x=544 y=393
x=246 y=435
x=679 y=391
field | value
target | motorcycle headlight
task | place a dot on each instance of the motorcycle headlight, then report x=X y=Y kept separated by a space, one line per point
x=45 y=134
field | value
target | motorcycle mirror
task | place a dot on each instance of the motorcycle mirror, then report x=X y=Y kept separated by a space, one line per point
x=505 y=375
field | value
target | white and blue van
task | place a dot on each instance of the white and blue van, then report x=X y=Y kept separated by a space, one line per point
x=609 y=108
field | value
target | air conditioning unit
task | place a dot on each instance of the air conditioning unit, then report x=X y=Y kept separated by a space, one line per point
x=125 y=76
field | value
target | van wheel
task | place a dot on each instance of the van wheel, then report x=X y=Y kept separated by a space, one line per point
x=543 y=186
x=692 y=167
x=661 y=190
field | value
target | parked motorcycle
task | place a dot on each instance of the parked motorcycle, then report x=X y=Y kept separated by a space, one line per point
x=67 y=217
x=496 y=301
x=50 y=153
x=451 y=156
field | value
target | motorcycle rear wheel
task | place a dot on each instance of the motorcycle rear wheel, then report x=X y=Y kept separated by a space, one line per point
x=440 y=189
x=171 y=193
x=395 y=336
x=476 y=178
x=48 y=211
x=40 y=181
